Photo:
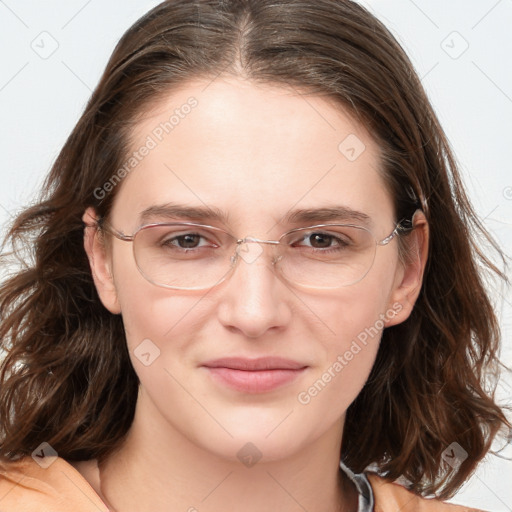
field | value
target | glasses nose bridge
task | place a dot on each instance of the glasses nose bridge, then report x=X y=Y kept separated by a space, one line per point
x=250 y=239
x=253 y=240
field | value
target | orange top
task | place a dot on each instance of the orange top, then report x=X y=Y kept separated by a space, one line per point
x=391 y=497
x=25 y=486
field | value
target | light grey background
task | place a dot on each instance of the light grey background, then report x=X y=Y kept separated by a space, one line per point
x=53 y=54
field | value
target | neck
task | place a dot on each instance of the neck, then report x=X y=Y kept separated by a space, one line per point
x=159 y=469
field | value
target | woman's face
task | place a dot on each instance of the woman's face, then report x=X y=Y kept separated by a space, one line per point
x=257 y=153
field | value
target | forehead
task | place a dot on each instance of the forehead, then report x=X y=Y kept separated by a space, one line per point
x=253 y=151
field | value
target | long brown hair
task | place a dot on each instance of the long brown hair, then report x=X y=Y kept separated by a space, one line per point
x=66 y=377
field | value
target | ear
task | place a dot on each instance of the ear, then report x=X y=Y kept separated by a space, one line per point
x=409 y=276
x=99 y=260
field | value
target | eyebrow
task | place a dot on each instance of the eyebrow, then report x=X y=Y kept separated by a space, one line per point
x=175 y=211
x=327 y=214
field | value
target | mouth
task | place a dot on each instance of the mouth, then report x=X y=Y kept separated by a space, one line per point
x=254 y=375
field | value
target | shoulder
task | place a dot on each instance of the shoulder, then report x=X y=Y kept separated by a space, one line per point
x=392 y=497
x=55 y=486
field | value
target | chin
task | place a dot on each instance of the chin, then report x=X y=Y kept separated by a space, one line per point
x=251 y=447
x=257 y=433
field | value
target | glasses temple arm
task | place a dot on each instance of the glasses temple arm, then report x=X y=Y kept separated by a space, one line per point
x=105 y=226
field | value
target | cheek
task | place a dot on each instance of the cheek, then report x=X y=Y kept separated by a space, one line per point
x=151 y=314
x=358 y=312
x=357 y=327
x=158 y=315
x=355 y=321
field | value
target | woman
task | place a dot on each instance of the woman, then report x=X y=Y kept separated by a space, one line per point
x=254 y=284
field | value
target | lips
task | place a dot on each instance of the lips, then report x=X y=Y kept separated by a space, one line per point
x=261 y=363
x=254 y=375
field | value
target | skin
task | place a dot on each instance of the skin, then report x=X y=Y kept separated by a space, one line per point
x=254 y=151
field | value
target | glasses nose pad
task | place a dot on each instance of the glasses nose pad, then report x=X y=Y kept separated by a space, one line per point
x=249 y=253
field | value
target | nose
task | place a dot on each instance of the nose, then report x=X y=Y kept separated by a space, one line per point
x=254 y=300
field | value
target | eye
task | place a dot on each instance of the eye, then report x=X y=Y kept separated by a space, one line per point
x=323 y=240
x=178 y=238
x=188 y=241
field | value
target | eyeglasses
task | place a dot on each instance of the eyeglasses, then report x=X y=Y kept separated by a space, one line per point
x=190 y=256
